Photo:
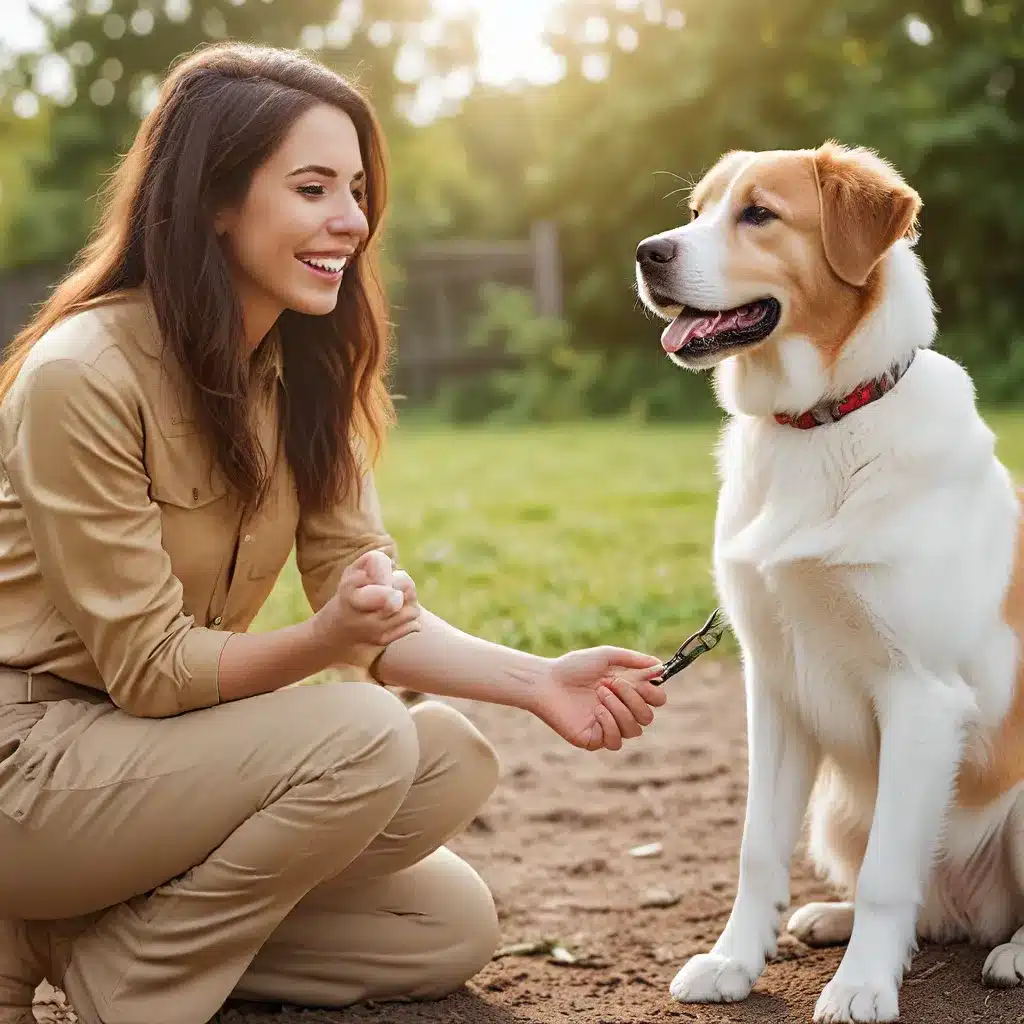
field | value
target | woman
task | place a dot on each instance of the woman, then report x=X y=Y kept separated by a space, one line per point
x=204 y=392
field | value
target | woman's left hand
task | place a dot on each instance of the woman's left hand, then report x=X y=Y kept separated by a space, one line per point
x=600 y=696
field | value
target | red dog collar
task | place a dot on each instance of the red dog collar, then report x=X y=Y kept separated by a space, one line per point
x=829 y=412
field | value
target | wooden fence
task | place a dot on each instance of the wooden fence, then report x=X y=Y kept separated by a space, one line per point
x=441 y=295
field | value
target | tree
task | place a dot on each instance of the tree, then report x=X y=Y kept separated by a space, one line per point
x=113 y=53
x=939 y=93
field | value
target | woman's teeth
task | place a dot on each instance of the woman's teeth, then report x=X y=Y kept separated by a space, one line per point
x=328 y=266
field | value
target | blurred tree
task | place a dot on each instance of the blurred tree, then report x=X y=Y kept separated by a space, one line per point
x=657 y=90
x=105 y=59
x=26 y=139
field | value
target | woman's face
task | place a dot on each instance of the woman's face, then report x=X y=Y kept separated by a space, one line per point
x=301 y=221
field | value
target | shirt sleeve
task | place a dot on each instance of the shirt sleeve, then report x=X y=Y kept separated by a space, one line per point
x=326 y=543
x=76 y=463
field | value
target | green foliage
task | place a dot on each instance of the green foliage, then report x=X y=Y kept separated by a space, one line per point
x=552 y=537
x=116 y=59
x=937 y=89
x=556 y=381
x=755 y=74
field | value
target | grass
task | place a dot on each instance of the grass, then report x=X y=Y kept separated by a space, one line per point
x=553 y=538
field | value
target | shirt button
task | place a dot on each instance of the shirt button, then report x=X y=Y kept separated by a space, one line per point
x=247 y=538
x=217 y=621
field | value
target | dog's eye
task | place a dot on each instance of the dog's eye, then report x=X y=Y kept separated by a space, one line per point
x=756 y=215
x=694 y=214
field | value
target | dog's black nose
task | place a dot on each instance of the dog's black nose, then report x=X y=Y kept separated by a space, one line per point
x=656 y=250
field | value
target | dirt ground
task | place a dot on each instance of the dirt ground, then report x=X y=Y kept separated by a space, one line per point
x=554 y=845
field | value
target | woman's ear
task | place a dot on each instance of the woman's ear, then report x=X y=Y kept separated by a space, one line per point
x=223 y=221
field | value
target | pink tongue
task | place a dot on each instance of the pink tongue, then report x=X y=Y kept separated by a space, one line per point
x=685 y=328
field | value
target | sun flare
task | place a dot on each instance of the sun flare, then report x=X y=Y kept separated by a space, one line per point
x=510 y=38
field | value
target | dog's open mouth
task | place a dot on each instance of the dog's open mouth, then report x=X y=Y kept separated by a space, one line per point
x=696 y=333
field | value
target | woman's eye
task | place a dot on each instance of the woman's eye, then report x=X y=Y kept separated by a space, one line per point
x=313 y=190
x=359 y=195
x=756 y=215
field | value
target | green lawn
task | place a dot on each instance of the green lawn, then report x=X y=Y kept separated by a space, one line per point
x=560 y=537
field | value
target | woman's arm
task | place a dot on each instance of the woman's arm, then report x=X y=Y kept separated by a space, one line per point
x=593 y=698
x=365 y=614
x=442 y=660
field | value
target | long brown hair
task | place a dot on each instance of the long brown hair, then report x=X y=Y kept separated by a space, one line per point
x=220 y=114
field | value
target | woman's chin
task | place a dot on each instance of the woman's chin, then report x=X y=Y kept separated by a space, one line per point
x=318 y=303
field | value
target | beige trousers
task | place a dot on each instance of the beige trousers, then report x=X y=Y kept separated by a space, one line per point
x=287 y=847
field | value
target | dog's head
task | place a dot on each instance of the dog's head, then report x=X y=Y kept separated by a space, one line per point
x=779 y=245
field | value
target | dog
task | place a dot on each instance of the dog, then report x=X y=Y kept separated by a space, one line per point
x=867 y=552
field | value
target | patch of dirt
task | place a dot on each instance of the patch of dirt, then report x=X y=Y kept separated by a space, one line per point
x=554 y=845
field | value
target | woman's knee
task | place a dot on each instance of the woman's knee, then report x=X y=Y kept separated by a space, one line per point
x=346 y=725
x=447 y=735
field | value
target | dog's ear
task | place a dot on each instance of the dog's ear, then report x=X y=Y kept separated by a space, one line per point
x=865 y=208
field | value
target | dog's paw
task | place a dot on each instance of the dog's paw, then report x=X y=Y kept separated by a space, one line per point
x=1004 y=966
x=822 y=924
x=712 y=978
x=844 y=1002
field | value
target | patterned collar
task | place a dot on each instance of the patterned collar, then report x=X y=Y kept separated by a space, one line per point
x=864 y=394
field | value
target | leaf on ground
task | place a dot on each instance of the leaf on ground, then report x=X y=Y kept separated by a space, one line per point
x=555 y=950
x=648 y=850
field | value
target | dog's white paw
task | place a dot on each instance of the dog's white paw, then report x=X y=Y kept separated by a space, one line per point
x=822 y=924
x=712 y=978
x=844 y=1002
x=1004 y=966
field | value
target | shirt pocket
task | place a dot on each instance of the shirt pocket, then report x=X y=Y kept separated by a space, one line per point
x=199 y=517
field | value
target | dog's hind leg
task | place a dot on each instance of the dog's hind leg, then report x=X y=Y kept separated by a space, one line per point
x=1004 y=967
x=840 y=820
x=822 y=924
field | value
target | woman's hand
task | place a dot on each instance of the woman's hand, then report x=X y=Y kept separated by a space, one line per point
x=373 y=606
x=598 y=697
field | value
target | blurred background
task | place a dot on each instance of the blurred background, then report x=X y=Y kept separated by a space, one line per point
x=544 y=441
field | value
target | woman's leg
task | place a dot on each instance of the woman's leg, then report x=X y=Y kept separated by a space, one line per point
x=419 y=933
x=406 y=919
x=246 y=807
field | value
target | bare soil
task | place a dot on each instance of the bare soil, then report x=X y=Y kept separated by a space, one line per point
x=554 y=845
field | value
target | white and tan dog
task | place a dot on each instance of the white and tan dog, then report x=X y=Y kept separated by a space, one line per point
x=868 y=554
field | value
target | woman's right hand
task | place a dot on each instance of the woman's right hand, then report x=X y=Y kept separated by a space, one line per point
x=373 y=606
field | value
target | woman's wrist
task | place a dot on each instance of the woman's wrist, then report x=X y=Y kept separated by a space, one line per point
x=524 y=681
x=254 y=663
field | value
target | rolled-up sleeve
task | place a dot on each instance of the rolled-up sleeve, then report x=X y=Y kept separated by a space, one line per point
x=76 y=462
x=326 y=543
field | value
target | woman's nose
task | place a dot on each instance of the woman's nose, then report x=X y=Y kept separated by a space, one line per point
x=351 y=222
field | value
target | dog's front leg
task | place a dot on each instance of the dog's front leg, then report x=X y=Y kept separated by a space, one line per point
x=922 y=721
x=782 y=762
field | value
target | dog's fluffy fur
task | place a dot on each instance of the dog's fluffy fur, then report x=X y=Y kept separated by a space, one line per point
x=872 y=571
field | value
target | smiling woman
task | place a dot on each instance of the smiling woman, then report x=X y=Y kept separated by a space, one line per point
x=202 y=396
x=291 y=237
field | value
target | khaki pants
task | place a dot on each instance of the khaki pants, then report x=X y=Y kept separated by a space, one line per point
x=286 y=847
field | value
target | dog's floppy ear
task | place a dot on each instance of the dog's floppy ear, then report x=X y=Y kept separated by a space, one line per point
x=865 y=208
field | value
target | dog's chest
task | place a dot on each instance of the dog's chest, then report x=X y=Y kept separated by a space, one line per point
x=822 y=653
x=814 y=632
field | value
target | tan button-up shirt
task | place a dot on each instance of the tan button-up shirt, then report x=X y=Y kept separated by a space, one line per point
x=126 y=560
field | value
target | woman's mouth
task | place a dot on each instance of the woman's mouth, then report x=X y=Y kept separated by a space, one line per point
x=326 y=268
